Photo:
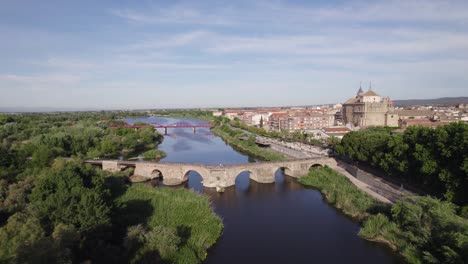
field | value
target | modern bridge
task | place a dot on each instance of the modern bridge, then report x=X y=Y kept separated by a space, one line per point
x=215 y=176
x=166 y=126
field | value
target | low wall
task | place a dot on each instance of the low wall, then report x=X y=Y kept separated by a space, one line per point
x=287 y=151
x=388 y=190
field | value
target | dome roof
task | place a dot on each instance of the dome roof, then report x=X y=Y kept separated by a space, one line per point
x=370 y=93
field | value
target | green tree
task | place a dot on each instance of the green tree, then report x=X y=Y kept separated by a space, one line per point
x=42 y=156
x=72 y=194
x=24 y=234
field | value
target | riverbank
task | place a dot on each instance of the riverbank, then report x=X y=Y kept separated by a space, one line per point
x=340 y=192
x=247 y=146
x=421 y=229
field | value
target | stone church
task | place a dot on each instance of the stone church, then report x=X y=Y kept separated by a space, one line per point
x=369 y=109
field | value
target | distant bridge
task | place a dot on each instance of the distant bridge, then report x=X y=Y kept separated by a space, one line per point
x=166 y=126
x=215 y=176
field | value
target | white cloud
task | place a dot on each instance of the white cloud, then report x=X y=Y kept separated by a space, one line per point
x=275 y=13
x=227 y=50
x=41 y=79
x=171 y=41
x=401 y=42
x=173 y=15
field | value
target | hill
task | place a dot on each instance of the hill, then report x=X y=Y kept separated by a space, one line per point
x=439 y=101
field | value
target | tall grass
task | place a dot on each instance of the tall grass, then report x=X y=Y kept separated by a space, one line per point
x=247 y=147
x=422 y=229
x=340 y=192
x=154 y=154
x=380 y=229
x=188 y=213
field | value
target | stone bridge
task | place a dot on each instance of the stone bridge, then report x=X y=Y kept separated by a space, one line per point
x=215 y=176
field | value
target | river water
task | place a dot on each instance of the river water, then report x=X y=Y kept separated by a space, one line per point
x=281 y=222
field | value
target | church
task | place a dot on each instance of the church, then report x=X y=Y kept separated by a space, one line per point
x=369 y=109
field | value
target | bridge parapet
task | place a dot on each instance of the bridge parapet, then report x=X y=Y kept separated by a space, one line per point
x=110 y=165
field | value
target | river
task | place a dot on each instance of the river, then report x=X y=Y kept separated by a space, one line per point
x=282 y=222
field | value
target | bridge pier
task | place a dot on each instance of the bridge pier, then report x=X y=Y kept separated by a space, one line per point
x=263 y=175
x=217 y=178
x=297 y=170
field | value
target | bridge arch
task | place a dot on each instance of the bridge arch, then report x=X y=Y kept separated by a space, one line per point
x=281 y=173
x=193 y=179
x=285 y=170
x=156 y=173
x=315 y=166
x=242 y=179
x=188 y=171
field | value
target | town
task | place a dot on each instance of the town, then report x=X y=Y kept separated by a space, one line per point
x=227 y=132
x=366 y=109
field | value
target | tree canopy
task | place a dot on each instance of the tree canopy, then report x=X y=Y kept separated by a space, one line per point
x=436 y=158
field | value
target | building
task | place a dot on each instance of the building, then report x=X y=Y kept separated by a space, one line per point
x=217 y=113
x=404 y=123
x=278 y=121
x=369 y=109
x=231 y=114
x=300 y=120
x=338 y=132
x=328 y=132
x=415 y=114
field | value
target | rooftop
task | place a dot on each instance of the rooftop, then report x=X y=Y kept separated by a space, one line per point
x=406 y=112
x=370 y=93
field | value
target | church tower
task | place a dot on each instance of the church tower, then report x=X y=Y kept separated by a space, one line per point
x=360 y=92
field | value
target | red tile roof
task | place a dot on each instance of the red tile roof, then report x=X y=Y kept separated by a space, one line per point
x=278 y=115
x=370 y=93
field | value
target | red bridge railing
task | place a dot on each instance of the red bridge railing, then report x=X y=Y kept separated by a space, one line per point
x=166 y=126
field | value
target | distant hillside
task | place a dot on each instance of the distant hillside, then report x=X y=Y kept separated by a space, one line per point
x=41 y=109
x=439 y=101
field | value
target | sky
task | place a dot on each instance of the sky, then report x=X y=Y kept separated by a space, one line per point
x=214 y=53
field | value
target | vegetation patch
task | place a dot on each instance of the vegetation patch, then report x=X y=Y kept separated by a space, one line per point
x=196 y=114
x=435 y=159
x=423 y=230
x=55 y=210
x=340 y=192
x=246 y=144
x=154 y=154
x=181 y=227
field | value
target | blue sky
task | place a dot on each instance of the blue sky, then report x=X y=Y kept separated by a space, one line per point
x=157 y=54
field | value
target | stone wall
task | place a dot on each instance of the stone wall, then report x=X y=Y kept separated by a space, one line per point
x=287 y=151
x=377 y=184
